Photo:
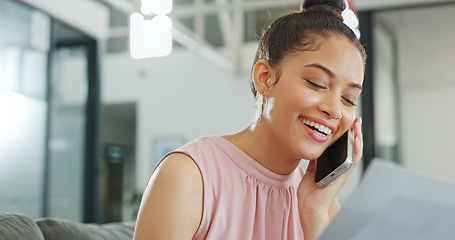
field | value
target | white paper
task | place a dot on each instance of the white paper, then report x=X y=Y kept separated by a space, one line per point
x=393 y=203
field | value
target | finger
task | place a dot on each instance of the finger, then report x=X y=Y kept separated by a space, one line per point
x=358 y=149
x=357 y=128
x=358 y=139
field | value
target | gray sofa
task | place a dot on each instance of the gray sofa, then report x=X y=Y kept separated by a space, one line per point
x=19 y=227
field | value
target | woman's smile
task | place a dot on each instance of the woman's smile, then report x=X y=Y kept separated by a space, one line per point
x=317 y=130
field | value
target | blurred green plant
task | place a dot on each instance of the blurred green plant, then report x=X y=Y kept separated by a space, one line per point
x=134 y=201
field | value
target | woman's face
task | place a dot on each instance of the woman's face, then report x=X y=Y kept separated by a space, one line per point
x=313 y=102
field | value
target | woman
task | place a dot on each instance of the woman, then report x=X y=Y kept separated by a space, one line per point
x=308 y=70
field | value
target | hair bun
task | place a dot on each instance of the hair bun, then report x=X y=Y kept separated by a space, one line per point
x=338 y=5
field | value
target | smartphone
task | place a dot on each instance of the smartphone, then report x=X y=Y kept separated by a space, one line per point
x=335 y=160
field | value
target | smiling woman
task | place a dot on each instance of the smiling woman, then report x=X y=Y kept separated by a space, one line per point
x=306 y=78
x=320 y=86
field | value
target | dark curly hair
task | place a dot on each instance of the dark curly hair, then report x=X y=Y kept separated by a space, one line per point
x=298 y=31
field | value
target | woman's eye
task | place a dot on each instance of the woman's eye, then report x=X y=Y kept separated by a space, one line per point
x=315 y=84
x=349 y=101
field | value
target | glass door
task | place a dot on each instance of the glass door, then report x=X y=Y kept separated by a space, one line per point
x=72 y=141
x=49 y=97
x=24 y=48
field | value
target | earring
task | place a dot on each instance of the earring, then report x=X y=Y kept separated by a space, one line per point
x=262 y=105
x=259 y=109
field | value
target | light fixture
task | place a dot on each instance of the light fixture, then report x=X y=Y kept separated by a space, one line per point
x=150 y=38
x=350 y=18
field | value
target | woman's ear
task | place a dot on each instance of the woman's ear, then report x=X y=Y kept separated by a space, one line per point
x=263 y=76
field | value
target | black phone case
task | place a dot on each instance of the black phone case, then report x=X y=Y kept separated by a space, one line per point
x=333 y=161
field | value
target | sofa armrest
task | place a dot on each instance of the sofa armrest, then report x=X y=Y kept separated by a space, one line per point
x=18 y=227
x=57 y=229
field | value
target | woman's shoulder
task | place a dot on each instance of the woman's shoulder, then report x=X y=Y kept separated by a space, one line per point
x=202 y=142
x=180 y=169
x=172 y=200
x=204 y=147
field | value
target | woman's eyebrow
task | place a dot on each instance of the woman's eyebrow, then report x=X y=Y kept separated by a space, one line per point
x=331 y=74
x=323 y=68
x=356 y=85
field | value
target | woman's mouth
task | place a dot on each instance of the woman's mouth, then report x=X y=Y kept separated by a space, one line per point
x=316 y=126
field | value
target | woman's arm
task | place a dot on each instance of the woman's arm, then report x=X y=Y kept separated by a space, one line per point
x=171 y=206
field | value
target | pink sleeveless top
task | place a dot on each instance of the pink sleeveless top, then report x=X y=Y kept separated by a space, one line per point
x=242 y=199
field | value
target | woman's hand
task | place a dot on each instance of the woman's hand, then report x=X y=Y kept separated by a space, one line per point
x=317 y=206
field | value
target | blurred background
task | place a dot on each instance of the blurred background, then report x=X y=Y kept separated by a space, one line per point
x=87 y=112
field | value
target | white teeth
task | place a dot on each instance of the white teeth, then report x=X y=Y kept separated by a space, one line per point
x=322 y=128
x=318 y=126
x=327 y=131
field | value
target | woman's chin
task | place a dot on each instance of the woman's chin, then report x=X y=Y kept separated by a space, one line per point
x=311 y=155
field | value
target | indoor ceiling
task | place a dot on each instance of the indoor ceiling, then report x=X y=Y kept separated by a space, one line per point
x=209 y=26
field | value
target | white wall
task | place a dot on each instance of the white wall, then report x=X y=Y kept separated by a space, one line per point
x=181 y=95
x=426 y=59
x=88 y=16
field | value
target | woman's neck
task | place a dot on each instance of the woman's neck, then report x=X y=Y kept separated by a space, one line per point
x=263 y=148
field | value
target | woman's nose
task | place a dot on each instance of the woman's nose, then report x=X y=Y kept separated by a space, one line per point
x=331 y=106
